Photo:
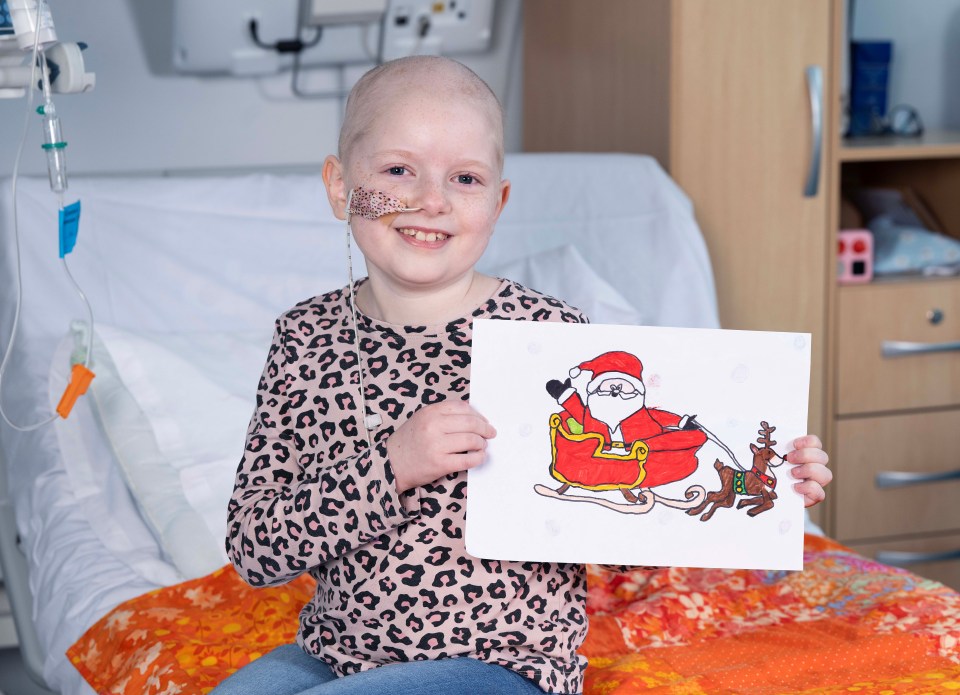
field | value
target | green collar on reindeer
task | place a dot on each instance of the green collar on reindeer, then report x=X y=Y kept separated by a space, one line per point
x=740 y=484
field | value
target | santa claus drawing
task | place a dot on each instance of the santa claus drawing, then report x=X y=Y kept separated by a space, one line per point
x=612 y=440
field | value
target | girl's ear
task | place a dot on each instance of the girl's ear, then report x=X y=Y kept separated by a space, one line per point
x=504 y=196
x=336 y=187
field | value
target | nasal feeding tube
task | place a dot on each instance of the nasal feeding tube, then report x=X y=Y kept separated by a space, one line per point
x=370 y=205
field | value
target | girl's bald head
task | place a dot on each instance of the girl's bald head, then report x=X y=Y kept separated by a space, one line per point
x=433 y=76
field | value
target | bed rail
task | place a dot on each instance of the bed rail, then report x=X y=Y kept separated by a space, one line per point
x=17 y=585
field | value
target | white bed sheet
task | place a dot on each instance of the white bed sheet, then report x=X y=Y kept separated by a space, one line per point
x=230 y=253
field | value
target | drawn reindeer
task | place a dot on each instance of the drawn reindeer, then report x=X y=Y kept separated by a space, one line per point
x=754 y=486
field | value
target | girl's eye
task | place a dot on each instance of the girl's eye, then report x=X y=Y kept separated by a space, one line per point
x=397 y=171
x=465 y=178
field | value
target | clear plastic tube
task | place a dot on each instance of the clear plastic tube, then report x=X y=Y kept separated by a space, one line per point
x=53 y=142
x=53 y=146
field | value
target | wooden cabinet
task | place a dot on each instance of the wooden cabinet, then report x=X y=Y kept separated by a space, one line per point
x=721 y=94
x=896 y=379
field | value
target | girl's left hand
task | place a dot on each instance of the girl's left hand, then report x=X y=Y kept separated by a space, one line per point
x=811 y=468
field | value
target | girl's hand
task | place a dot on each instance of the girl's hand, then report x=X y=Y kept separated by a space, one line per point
x=438 y=439
x=811 y=468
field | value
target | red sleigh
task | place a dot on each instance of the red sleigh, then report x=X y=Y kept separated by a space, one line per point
x=579 y=460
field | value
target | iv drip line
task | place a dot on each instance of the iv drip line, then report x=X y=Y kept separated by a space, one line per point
x=37 y=58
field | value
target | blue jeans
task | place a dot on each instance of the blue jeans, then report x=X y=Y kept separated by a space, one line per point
x=288 y=670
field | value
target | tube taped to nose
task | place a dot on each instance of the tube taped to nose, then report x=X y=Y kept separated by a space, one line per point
x=371 y=204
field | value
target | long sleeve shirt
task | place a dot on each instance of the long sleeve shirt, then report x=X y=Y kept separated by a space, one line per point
x=394 y=581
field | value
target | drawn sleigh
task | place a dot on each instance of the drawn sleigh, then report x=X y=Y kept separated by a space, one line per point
x=579 y=460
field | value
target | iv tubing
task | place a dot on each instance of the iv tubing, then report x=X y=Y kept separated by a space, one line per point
x=16 y=237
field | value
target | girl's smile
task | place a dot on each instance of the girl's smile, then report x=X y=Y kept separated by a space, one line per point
x=418 y=236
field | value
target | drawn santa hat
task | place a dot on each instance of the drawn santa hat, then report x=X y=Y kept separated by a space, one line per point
x=611 y=365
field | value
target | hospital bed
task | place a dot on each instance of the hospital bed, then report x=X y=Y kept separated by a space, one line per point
x=113 y=518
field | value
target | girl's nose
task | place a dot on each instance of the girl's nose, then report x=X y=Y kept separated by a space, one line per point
x=432 y=197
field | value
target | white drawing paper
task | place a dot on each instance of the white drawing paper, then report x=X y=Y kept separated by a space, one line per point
x=638 y=445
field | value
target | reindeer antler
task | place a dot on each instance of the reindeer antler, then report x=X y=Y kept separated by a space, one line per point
x=765 y=432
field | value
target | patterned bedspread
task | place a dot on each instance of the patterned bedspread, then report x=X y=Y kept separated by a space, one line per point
x=843 y=624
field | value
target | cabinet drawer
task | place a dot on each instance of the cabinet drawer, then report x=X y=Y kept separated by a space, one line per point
x=874 y=494
x=933 y=558
x=881 y=317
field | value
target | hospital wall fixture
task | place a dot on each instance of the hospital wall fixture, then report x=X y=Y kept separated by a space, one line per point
x=263 y=37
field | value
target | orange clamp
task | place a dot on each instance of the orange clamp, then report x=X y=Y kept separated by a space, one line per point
x=80 y=379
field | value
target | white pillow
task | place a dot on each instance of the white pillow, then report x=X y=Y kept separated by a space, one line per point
x=563 y=273
x=175 y=408
x=95 y=480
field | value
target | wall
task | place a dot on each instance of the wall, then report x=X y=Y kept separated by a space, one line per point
x=925 y=71
x=142 y=118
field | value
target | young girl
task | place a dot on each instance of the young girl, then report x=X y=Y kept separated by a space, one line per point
x=356 y=457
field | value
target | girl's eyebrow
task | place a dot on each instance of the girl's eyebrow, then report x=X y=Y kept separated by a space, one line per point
x=394 y=153
x=476 y=164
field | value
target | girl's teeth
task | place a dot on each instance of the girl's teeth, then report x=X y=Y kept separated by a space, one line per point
x=424 y=236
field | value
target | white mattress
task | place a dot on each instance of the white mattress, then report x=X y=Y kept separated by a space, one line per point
x=227 y=254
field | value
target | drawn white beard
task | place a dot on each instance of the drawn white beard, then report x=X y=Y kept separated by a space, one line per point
x=612 y=410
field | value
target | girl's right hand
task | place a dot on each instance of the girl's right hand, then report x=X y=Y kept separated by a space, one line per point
x=437 y=440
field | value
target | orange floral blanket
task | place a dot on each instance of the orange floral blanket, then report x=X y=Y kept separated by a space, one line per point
x=844 y=624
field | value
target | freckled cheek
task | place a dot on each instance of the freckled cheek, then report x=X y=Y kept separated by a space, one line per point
x=482 y=210
x=368 y=232
x=364 y=229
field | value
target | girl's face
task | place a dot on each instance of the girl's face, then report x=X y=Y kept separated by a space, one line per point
x=435 y=155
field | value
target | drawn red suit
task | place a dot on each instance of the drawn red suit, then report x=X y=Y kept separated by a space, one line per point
x=672 y=452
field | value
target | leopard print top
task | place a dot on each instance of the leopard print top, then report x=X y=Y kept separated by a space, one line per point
x=394 y=581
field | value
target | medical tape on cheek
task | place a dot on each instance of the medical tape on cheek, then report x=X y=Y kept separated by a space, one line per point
x=371 y=204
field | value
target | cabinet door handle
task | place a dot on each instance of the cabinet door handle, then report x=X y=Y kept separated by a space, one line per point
x=899 y=348
x=815 y=90
x=901 y=559
x=889 y=479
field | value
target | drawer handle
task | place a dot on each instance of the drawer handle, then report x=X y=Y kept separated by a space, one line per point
x=897 y=348
x=901 y=559
x=888 y=479
x=814 y=75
